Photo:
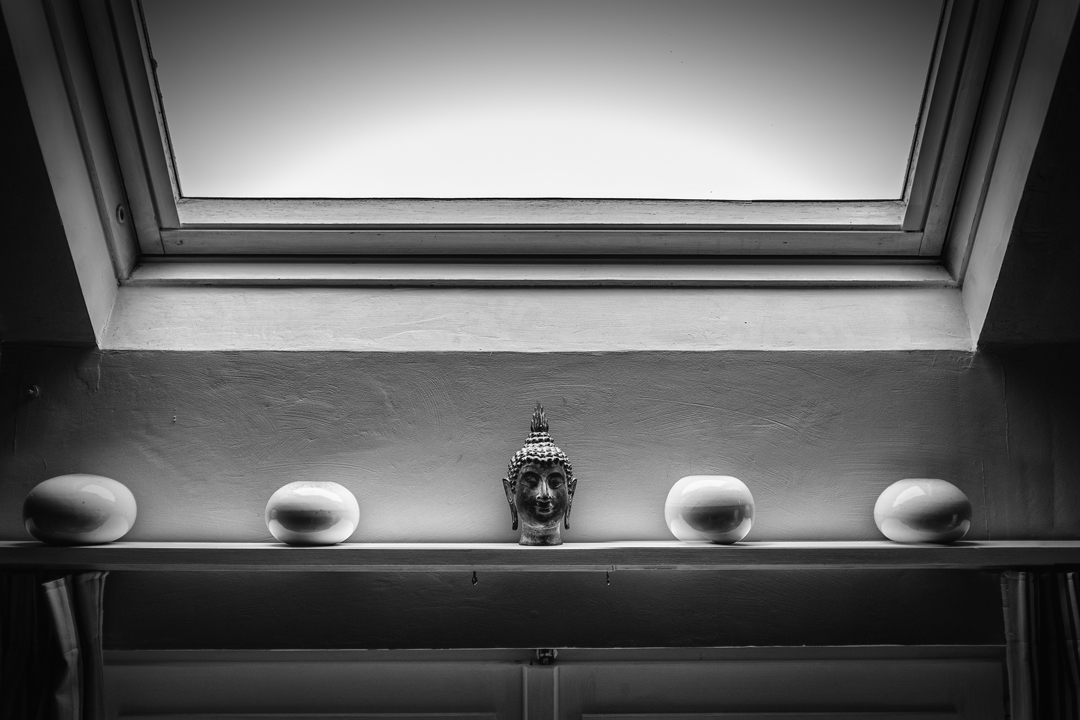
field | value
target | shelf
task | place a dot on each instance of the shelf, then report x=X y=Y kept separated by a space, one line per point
x=572 y=557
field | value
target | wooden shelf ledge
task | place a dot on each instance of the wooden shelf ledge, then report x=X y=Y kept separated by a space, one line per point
x=572 y=557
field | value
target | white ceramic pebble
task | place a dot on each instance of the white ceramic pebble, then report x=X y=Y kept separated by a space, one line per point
x=716 y=508
x=312 y=513
x=79 y=509
x=923 y=510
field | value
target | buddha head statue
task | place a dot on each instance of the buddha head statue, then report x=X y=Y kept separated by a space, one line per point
x=540 y=486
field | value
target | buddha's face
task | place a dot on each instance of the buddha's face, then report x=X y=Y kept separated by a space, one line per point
x=541 y=495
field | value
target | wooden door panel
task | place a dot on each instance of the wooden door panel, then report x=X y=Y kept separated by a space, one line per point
x=668 y=684
x=727 y=690
x=330 y=690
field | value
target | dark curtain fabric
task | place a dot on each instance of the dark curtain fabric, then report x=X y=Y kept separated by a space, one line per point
x=1042 y=633
x=51 y=665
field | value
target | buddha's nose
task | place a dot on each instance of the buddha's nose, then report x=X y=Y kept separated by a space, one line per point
x=545 y=491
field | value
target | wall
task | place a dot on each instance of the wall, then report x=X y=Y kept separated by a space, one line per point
x=422 y=439
x=34 y=243
x=1037 y=297
x=203 y=439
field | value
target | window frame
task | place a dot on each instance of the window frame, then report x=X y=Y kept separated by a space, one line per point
x=301 y=302
x=913 y=229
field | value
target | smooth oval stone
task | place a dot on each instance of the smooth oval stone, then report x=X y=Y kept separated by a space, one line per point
x=923 y=510
x=716 y=508
x=312 y=513
x=79 y=509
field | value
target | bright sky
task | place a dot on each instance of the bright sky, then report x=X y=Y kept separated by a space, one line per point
x=707 y=99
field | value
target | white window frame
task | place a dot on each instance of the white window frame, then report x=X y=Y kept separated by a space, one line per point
x=235 y=301
x=913 y=228
x=645 y=301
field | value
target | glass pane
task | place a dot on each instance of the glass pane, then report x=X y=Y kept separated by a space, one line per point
x=695 y=99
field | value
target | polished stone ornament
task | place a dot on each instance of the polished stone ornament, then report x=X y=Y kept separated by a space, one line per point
x=308 y=512
x=539 y=486
x=79 y=509
x=713 y=508
x=923 y=510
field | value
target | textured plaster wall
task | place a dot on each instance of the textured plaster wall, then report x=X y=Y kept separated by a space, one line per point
x=203 y=439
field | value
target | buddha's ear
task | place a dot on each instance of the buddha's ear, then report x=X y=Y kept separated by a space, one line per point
x=508 y=488
x=571 y=486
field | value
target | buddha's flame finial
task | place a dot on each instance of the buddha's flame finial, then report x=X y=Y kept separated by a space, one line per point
x=539 y=420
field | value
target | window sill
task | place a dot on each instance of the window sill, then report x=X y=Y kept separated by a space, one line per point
x=385 y=307
x=538 y=274
x=571 y=557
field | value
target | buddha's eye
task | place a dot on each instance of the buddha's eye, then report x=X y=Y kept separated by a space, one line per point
x=555 y=480
x=530 y=478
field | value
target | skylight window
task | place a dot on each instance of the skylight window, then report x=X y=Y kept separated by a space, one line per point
x=797 y=100
x=623 y=130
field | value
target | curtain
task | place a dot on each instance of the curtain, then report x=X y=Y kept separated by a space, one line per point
x=51 y=665
x=1042 y=634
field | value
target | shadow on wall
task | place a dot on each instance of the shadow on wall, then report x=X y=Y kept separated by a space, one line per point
x=422 y=440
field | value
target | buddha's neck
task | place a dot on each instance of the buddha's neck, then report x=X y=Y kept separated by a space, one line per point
x=540 y=536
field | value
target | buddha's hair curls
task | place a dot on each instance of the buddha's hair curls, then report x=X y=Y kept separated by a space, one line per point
x=539 y=448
